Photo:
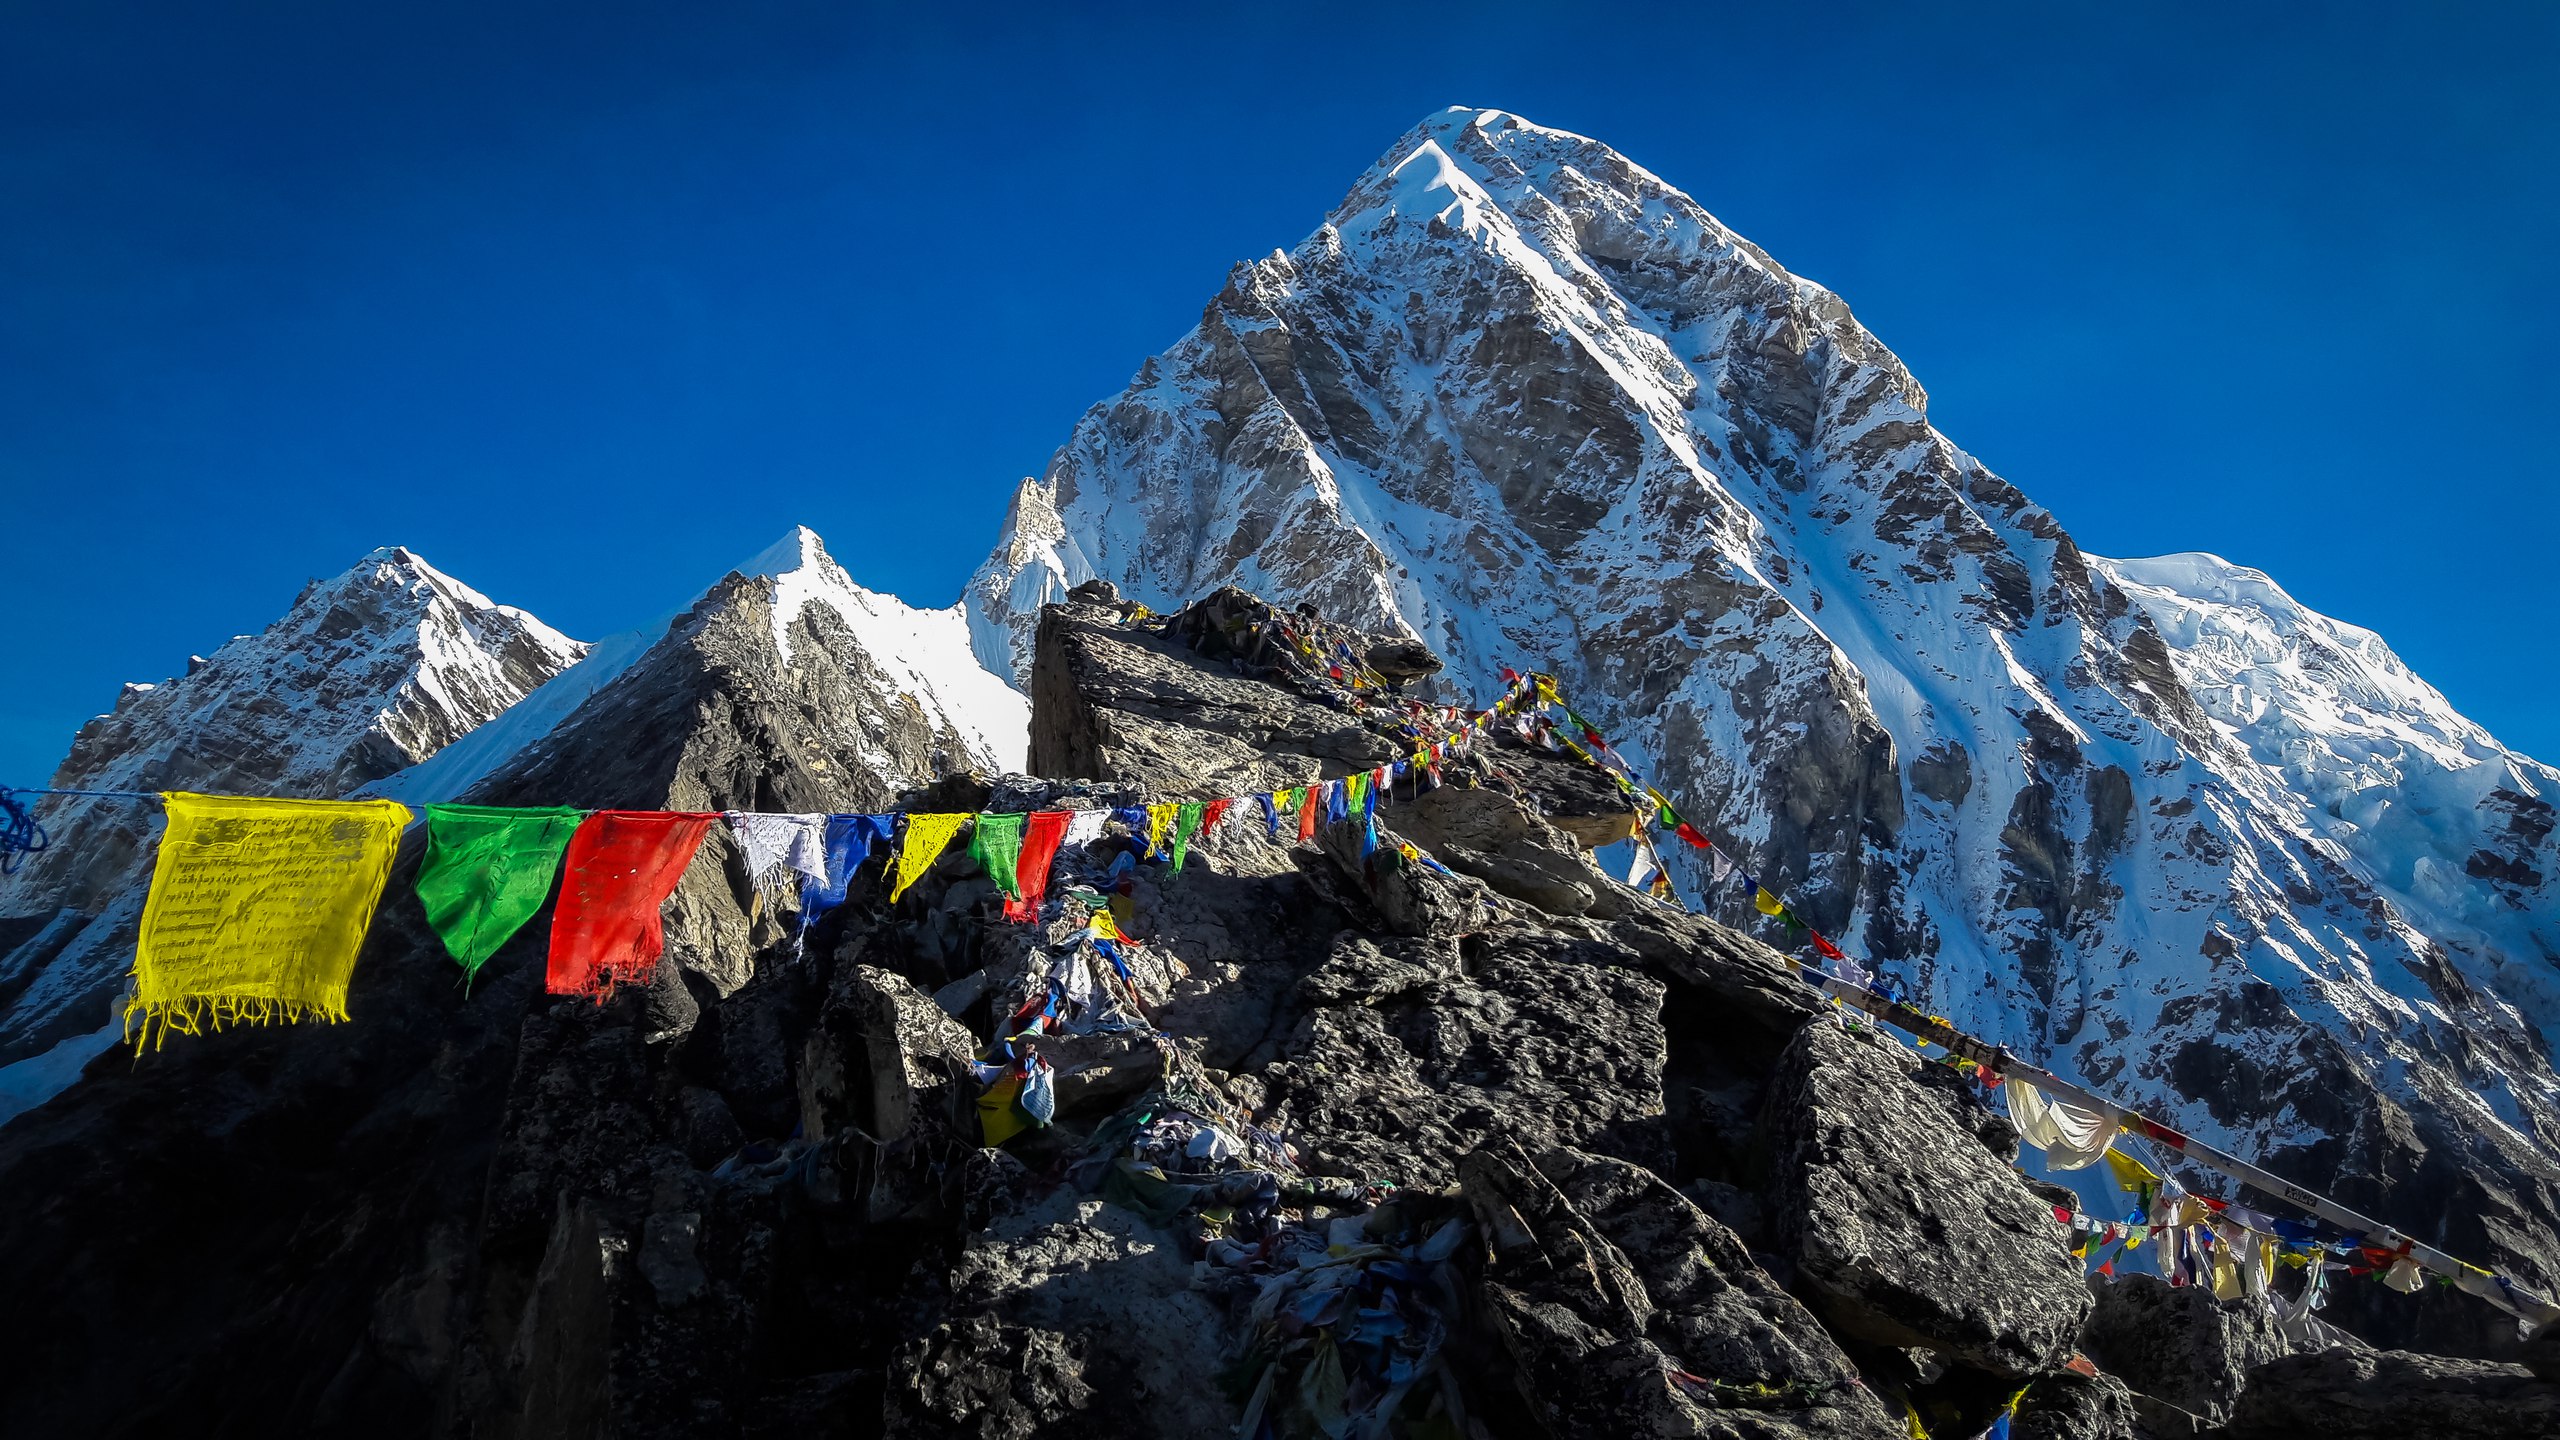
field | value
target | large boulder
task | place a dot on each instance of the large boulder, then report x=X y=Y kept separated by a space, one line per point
x=1903 y=1229
x=2179 y=1345
x=2348 y=1394
x=1411 y=1053
x=1623 y=1310
x=2072 y=1406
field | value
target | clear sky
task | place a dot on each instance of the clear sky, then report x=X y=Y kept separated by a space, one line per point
x=586 y=303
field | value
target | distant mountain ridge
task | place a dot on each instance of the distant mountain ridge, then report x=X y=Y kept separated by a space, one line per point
x=395 y=680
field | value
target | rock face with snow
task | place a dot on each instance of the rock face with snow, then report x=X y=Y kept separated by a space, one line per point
x=368 y=673
x=2147 y=821
x=400 y=681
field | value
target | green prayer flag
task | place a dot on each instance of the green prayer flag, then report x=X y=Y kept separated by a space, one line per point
x=488 y=868
x=996 y=843
x=1354 y=787
x=1185 y=825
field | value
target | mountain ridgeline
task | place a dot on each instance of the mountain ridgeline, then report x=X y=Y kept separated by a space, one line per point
x=1565 y=1161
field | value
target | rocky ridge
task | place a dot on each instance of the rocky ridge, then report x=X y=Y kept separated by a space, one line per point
x=2148 y=822
x=370 y=672
x=1562 y=1163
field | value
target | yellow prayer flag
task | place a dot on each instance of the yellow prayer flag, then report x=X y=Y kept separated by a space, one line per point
x=1159 y=822
x=921 y=842
x=257 y=909
x=2131 y=1174
x=1766 y=903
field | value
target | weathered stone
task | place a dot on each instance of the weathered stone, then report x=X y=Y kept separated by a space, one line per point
x=2069 y=1406
x=2390 y=1394
x=2177 y=1344
x=1903 y=1229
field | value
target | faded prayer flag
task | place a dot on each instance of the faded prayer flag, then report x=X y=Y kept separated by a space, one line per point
x=622 y=866
x=488 y=869
x=257 y=909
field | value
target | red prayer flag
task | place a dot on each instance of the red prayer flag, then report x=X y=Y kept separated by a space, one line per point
x=1210 y=813
x=622 y=865
x=1307 y=814
x=1690 y=833
x=1825 y=948
x=1041 y=834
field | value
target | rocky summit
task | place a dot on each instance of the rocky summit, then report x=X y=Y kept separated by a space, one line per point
x=1443 y=1132
x=2151 y=823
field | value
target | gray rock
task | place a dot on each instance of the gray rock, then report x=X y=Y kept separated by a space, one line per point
x=1903 y=1229
x=2179 y=1345
x=1624 y=1310
x=2068 y=1406
x=2390 y=1394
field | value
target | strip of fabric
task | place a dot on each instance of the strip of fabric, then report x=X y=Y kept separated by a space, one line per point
x=1086 y=826
x=257 y=909
x=773 y=841
x=1159 y=823
x=995 y=842
x=622 y=866
x=850 y=841
x=921 y=842
x=1041 y=836
x=1307 y=814
x=2071 y=1136
x=1185 y=825
x=488 y=870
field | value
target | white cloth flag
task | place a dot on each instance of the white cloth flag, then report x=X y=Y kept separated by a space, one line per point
x=1640 y=869
x=2071 y=1138
x=1085 y=827
x=798 y=841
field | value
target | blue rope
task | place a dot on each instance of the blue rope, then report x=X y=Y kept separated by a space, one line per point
x=20 y=835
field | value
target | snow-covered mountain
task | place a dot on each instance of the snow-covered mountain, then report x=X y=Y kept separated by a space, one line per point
x=2146 y=820
x=916 y=667
x=395 y=680
x=370 y=672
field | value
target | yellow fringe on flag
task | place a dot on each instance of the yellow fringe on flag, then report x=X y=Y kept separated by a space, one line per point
x=921 y=841
x=257 y=910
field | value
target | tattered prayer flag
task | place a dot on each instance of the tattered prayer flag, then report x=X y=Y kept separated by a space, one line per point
x=798 y=841
x=488 y=869
x=1160 y=820
x=921 y=841
x=1271 y=812
x=1641 y=868
x=1215 y=811
x=622 y=866
x=995 y=842
x=257 y=909
x=1355 y=789
x=1041 y=836
x=1307 y=814
x=1186 y=824
x=850 y=841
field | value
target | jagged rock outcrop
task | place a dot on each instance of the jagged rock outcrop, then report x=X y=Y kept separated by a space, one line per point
x=2386 y=1394
x=1330 y=1149
x=2180 y=1347
x=2150 y=823
x=1905 y=1229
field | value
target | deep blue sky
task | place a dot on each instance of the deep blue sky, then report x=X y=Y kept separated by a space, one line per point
x=587 y=304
